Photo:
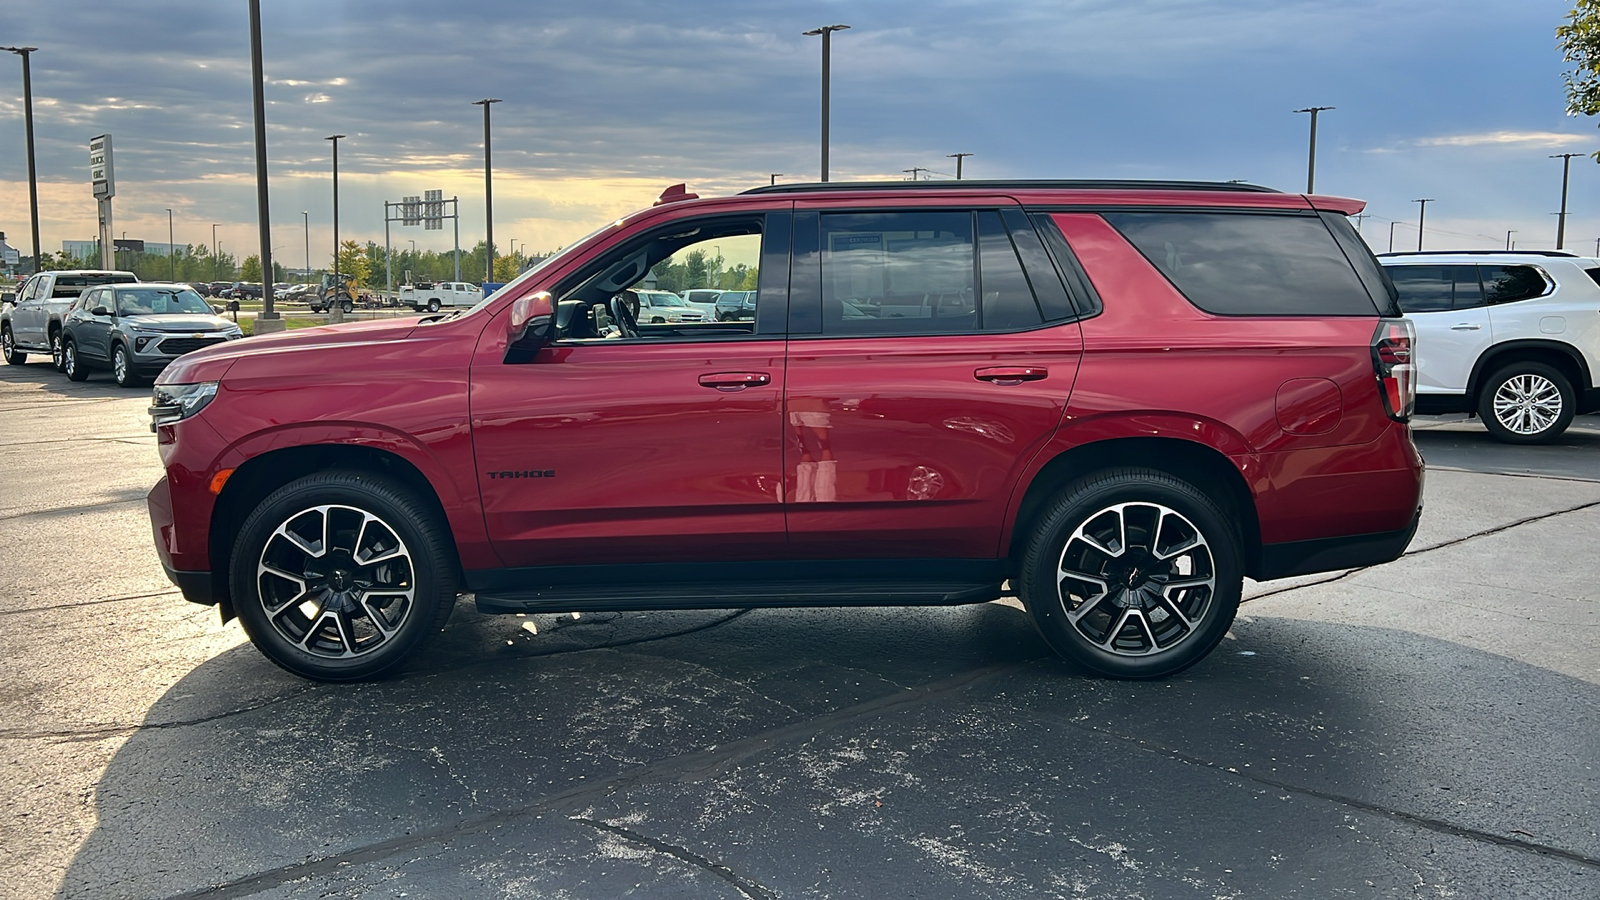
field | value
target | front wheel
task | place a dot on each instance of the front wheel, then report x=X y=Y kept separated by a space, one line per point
x=122 y=367
x=1132 y=573
x=8 y=343
x=341 y=576
x=1527 y=403
x=348 y=306
x=71 y=364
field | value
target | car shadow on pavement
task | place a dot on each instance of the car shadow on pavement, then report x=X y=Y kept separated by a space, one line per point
x=41 y=378
x=832 y=753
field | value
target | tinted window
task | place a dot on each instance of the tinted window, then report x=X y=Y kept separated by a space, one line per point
x=1366 y=265
x=897 y=273
x=1508 y=284
x=1435 y=288
x=1249 y=263
x=1594 y=275
x=1008 y=302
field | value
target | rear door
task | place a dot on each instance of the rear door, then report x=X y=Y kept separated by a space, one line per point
x=922 y=376
x=1453 y=327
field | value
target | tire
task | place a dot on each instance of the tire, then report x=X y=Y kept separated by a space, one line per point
x=70 y=363
x=348 y=306
x=369 y=516
x=57 y=360
x=8 y=344
x=1158 y=605
x=122 y=367
x=1527 y=403
x=433 y=306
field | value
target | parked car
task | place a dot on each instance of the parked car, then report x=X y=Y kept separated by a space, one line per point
x=665 y=307
x=434 y=296
x=137 y=330
x=703 y=299
x=736 y=305
x=1119 y=398
x=1510 y=337
x=220 y=288
x=33 y=323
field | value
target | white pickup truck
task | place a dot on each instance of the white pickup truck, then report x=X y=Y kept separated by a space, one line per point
x=434 y=296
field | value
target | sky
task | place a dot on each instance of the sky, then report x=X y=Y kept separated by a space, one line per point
x=607 y=102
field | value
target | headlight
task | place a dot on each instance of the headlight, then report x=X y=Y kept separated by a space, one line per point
x=176 y=402
x=143 y=330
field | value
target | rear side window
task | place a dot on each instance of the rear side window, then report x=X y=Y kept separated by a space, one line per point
x=1436 y=288
x=898 y=273
x=1249 y=264
x=1508 y=284
x=1008 y=302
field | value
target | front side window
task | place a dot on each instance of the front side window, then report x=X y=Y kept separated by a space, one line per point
x=1257 y=264
x=1508 y=284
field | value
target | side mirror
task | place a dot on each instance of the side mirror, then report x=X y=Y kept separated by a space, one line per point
x=531 y=326
x=99 y=311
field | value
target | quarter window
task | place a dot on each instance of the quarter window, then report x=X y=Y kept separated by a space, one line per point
x=1508 y=284
x=1008 y=302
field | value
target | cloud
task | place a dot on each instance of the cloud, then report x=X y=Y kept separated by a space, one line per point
x=1493 y=138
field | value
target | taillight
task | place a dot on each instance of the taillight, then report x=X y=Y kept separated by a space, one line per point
x=1394 y=362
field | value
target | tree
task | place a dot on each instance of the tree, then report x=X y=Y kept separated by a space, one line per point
x=505 y=269
x=353 y=262
x=250 y=269
x=1579 y=41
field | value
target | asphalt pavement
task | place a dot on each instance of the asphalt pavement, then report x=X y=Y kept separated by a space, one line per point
x=1427 y=728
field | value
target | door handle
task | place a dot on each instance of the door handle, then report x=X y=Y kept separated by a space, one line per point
x=1009 y=375
x=1465 y=326
x=734 y=381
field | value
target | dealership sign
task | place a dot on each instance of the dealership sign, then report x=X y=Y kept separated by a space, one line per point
x=105 y=183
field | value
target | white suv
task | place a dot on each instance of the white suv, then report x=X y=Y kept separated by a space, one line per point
x=1512 y=337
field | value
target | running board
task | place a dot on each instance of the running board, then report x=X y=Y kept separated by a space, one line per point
x=725 y=595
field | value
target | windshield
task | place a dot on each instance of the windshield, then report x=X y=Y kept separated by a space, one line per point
x=548 y=262
x=155 y=301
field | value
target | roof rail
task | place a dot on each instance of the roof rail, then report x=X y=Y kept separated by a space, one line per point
x=1110 y=184
x=1557 y=253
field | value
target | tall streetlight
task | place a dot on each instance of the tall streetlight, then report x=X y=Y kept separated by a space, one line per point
x=216 y=249
x=1391 y=235
x=488 y=193
x=958 y=157
x=775 y=177
x=338 y=284
x=827 y=34
x=27 y=118
x=268 y=320
x=1509 y=233
x=1311 y=164
x=1566 y=170
x=1422 y=215
x=172 y=250
x=307 y=217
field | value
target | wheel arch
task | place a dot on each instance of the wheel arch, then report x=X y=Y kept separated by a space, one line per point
x=1562 y=356
x=260 y=475
x=1202 y=465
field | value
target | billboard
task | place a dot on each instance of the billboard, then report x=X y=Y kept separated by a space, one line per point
x=100 y=168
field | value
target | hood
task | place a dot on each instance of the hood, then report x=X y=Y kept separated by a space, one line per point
x=173 y=323
x=210 y=363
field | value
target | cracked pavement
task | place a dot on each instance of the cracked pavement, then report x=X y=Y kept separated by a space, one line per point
x=1426 y=728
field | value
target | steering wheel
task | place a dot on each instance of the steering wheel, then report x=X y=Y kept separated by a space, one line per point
x=625 y=315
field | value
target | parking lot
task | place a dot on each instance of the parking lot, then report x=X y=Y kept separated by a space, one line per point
x=1428 y=728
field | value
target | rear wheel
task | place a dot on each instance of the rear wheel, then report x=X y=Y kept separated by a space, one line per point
x=70 y=363
x=433 y=305
x=341 y=576
x=8 y=344
x=56 y=359
x=1132 y=573
x=347 y=305
x=1527 y=403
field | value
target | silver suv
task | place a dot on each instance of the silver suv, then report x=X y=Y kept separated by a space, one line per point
x=136 y=330
x=1511 y=337
x=33 y=323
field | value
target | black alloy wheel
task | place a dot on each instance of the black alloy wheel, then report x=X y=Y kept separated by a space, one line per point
x=341 y=576
x=1527 y=403
x=8 y=344
x=1132 y=573
x=70 y=363
x=57 y=360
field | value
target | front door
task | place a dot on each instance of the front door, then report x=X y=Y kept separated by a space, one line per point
x=625 y=442
x=92 y=333
x=930 y=378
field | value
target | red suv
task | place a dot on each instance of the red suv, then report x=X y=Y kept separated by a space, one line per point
x=1113 y=399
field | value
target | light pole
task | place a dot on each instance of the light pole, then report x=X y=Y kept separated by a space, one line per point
x=216 y=249
x=488 y=193
x=827 y=34
x=307 y=217
x=1391 y=235
x=775 y=177
x=268 y=317
x=958 y=157
x=914 y=170
x=1566 y=170
x=27 y=118
x=335 y=308
x=1311 y=164
x=1509 y=233
x=172 y=251
x=1422 y=215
